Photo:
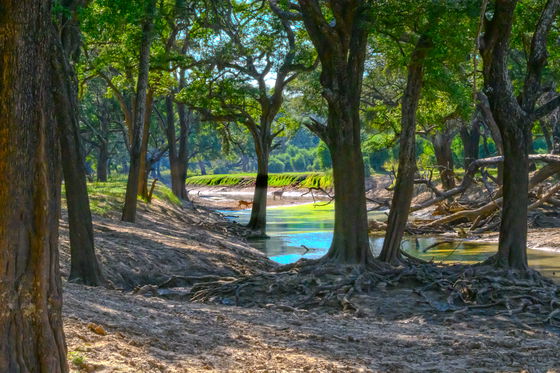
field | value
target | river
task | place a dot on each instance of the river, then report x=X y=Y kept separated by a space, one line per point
x=292 y=227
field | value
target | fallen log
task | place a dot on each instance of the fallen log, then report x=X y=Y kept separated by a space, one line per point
x=545 y=197
x=495 y=204
x=538 y=176
x=470 y=215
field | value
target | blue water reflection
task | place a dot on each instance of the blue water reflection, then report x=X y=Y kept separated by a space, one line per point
x=305 y=231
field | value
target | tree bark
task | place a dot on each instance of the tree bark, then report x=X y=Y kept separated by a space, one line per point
x=131 y=197
x=404 y=186
x=341 y=48
x=444 y=159
x=30 y=285
x=350 y=239
x=84 y=267
x=202 y=167
x=144 y=163
x=514 y=119
x=470 y=138
x=102 y=161
x=257 y=222
x=546 y=135
x=492 y=126
x=556 y=137
x=178 y=156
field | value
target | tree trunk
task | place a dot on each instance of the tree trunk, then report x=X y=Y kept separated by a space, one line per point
x=512 y=248
x=514 y=119
x=178 y=156
x=531 y=146
x=202 y=167
x=257 y=222
x=492 y=126
x=84 y=267
x=546 y=135
x=350 y=244
x=556 y=137
x=404 y=187
x=341 y=48
x=103 y=161
x=144 y=163
x=444 y=159
x=30 y=285
x=131 y=197
x=470 y=138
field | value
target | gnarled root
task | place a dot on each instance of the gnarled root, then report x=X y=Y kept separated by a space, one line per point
x=305 y=285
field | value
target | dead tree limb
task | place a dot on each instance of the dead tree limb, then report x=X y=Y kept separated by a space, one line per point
x=495 y=204
x=545 y=197
x=540 y=175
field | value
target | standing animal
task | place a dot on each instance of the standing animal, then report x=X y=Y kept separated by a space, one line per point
x=277 y=193
x=247 y=204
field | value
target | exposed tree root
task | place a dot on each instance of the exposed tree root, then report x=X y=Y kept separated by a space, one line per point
x=527 y=297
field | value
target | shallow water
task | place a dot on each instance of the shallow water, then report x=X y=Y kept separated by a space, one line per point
x=292 y=227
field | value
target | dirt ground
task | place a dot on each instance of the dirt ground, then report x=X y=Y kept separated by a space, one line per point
x=167 y=241
x=127 y=328
x=150 y=334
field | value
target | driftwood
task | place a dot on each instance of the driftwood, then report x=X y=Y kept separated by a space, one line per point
x=552 y=191
x=495 y=204
x=552 y=168
x=319 y=189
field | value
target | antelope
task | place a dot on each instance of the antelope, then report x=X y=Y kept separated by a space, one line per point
x=277 y=193
x=244 y=203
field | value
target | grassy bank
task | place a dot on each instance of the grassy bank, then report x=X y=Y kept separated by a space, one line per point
x=108 y=197
x=288 y=179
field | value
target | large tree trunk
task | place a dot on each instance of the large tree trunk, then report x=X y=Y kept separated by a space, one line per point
x=257 y=222
x=178 y=156
x=341 y=48
x=84 y=267
x=514 y=119
x=404 y=186
x=30 y=286
x=512 y=248
x=350 y=242
x=444 y=159
x=131 y=197
x=470 y=136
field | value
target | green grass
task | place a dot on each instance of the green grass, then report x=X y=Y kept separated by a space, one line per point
x=292 y=179
x=108 y=197
x=77 y=359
